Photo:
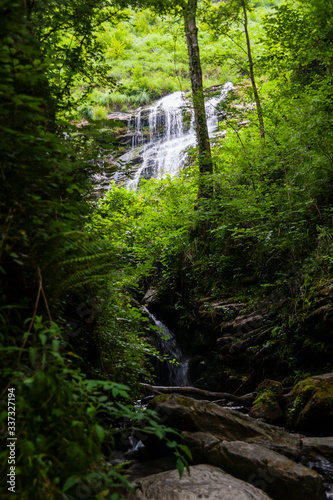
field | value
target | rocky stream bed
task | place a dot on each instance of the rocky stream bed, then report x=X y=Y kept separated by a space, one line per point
x=234 y=456
x=263 y=437
x=239 y=355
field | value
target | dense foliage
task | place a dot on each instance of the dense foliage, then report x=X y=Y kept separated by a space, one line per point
x=267 y=229
x=55 y=277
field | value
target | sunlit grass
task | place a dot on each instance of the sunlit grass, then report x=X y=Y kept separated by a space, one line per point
x=148 y=59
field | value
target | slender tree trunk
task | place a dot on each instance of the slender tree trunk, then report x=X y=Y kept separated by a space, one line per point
x=254 y=86
x=205 y=157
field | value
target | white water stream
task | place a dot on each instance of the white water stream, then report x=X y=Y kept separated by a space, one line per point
x=174 y=373
x=171 y=133
x=169 y=125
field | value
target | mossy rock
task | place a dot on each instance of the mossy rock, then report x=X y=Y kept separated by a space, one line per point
x=310 y=405
x=269 y=403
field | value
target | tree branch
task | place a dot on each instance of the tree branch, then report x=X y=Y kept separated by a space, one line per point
x=158 y=389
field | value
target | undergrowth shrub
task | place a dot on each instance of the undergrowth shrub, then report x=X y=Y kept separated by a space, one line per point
x=62 y=420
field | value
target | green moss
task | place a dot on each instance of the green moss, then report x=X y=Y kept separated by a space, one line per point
x=180 y=400
x=267 y=397
x=309 y=394
x=322 y=389
x=294 y=408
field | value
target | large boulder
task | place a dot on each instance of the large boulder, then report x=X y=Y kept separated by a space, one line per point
x=205 y=481
x=310 y=407
x=187 y=414
x=314 y=447
x=279 y=476
x=318 y=453
x=269 y=404
x=251 y=450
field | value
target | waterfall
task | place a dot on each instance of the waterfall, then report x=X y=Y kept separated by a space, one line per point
x=173 y=374
x=171 y=133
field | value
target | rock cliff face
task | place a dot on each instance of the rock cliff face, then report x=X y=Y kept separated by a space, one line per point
x=130 y=133
x=229 y=347
x=233 y=347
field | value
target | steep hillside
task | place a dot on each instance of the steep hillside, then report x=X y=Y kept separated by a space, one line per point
x=148 y=59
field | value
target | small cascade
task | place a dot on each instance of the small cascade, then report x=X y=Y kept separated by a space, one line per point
x=137 y=136
x=171 y=133
x=325 y=469
x=173 y=374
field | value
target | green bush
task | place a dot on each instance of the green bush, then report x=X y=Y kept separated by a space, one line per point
x=86 y=112
x=62 y=420
x=99 y=113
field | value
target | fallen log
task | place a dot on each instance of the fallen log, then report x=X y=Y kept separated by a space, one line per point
x=187 y=391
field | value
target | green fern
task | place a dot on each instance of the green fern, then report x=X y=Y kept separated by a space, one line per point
x=83 y=260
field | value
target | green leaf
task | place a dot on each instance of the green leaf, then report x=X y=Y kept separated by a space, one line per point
x=70 y=482
x=186 y=450
x=180 y=467
x=91 y=411
x=100 y=432
x=28 y=448
x=29 y=382
x=91 y=384
x=118 y=391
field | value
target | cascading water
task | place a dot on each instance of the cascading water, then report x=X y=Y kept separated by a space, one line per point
x=173 y=374
x=171 y=133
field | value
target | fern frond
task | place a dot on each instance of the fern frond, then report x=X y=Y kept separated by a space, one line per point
x=88 y=258
x=84 y=259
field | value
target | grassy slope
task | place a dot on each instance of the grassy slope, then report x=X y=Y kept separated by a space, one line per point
x=148 y=59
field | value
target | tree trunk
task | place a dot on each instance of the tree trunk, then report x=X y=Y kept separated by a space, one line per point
x=254 y=86
x=194 y=391
x=205 y=157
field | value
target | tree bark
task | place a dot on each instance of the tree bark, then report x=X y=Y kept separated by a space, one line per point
x=254 y=86
x=160 y=389
x=205 y=157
